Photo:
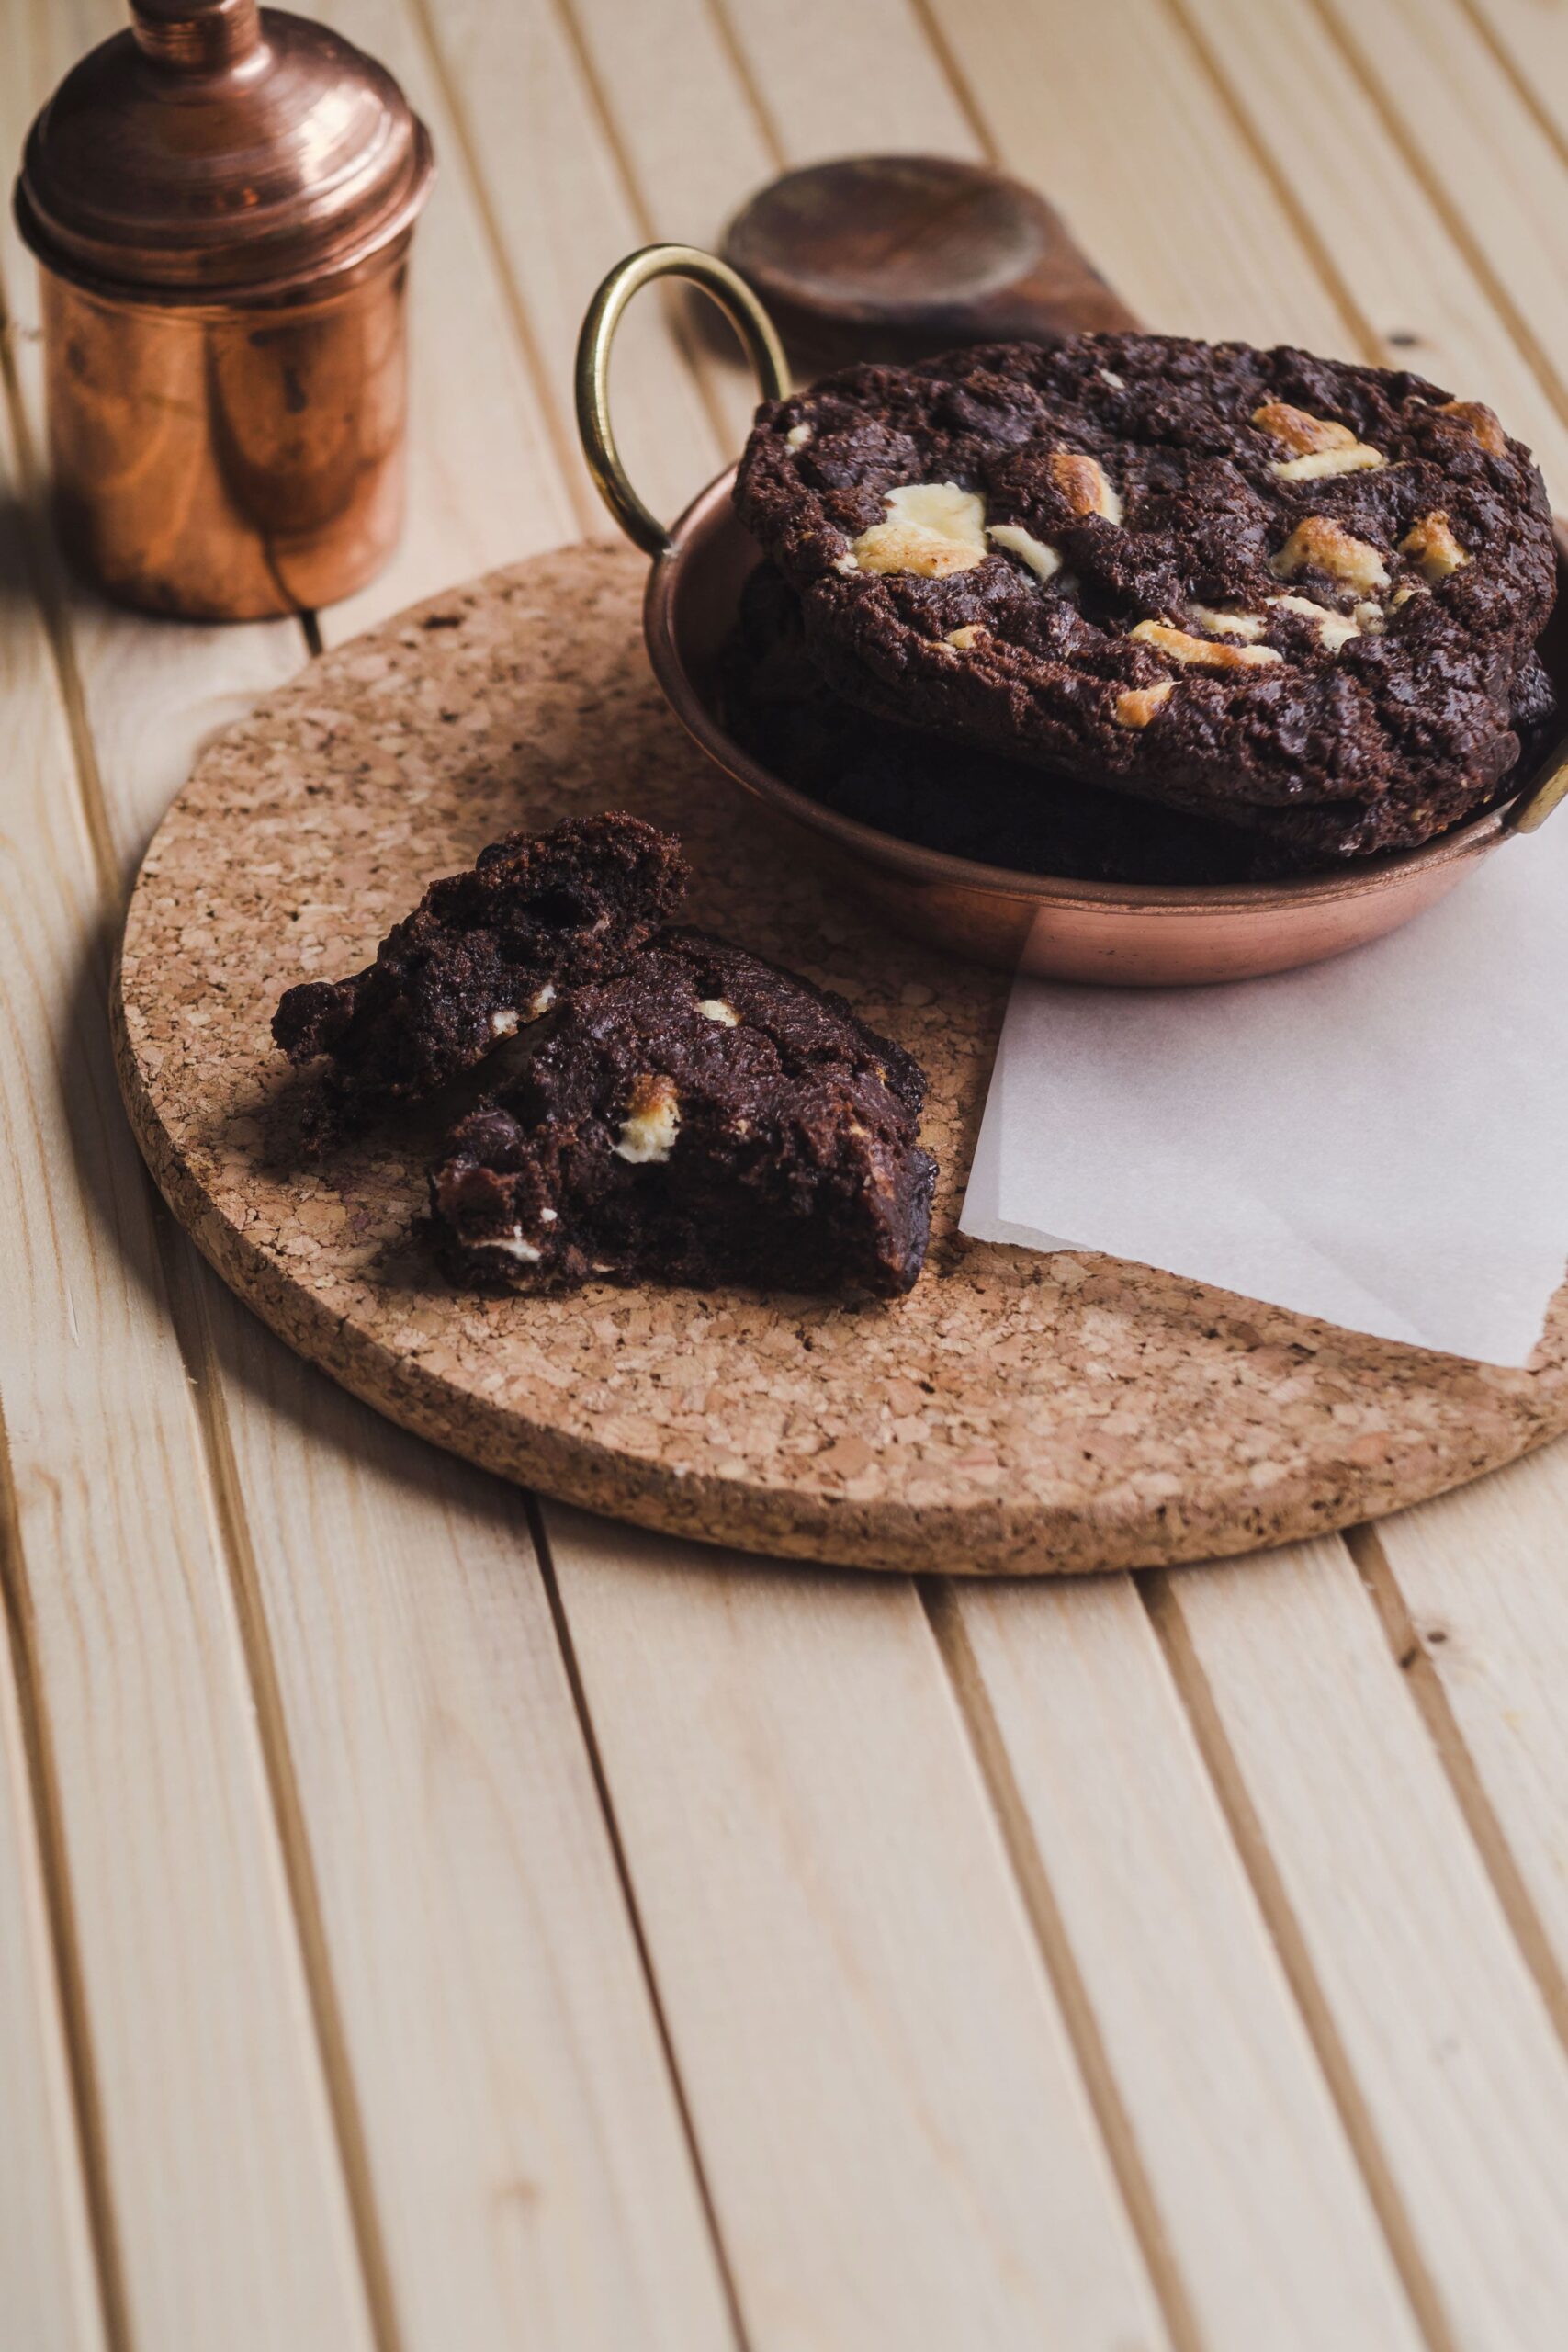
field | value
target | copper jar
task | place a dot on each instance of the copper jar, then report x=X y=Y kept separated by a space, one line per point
x=222 y=200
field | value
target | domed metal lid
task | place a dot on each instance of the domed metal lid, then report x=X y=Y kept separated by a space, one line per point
x=220 y=150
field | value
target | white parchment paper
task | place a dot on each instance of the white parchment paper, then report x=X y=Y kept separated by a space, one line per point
x=1382 y=1140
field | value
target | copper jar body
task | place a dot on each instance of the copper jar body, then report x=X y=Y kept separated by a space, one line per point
x=230 y=462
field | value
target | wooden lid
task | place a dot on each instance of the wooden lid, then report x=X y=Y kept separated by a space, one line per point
x=892 y=256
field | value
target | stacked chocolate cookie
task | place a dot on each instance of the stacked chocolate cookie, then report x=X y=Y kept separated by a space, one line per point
x=677 y=1108
x=1289 y=603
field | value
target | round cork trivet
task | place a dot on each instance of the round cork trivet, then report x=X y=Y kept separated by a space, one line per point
x=1016 y=1412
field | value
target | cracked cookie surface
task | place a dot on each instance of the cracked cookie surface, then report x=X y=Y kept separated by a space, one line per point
x=705 y=1117
x=1295 y=594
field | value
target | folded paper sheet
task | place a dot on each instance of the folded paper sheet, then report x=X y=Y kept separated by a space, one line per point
x=1382 y=1140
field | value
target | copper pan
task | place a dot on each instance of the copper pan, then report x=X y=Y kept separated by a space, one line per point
x=1120 y=934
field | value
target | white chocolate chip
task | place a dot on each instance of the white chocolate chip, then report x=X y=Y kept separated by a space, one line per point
x=1217 y=624
x=547 y=1217
x=541 y=1001
x=1432 y=543
x=505 y=1023
x=798 y=436
x=652 y=1120
x=1109 y=375
x=933 y=528
x=1178 y=646
x=1042 y=559
x=1369 y=619
x=964 y=639
x=1137 y=705
x=1319 y=544
x=1333 y=628
x=714 y=1008
x=1083 y=483
x=513 y=1245
x=1319 y=463
x=1404 y=592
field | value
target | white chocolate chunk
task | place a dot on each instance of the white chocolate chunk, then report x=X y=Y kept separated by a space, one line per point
x=933 y=528
x=1178 y=646
x=652 y=1120
x=1138 y=705
x=1320 y=544
x=1404 y=592
x=541 y=1001
x=1432 y=543
x=1117 y=383
x=1481 y=421
x=798 y=436
x=1083 y=483
x=1370 y=618
x=1360 y=457
x=1297 y=430
x=1042 y=559
x=1217 y=624
x=513 y=1245
x=505 y=1023
x=1335 y=628
x=715 y=1008
x=965 y=638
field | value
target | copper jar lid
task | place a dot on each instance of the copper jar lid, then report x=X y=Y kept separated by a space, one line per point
x=216 y=153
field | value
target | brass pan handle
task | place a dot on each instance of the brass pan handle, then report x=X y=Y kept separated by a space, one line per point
x=745 y=315
x=1530 y=811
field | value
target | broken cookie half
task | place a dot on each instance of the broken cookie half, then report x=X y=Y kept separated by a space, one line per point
x=484 y=954
x=703 y=1118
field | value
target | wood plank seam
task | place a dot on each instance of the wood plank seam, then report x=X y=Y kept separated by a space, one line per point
x=539 y=1529
x=563 y=441
x=1408 y=1644
x=682 y=323
x=1155 y=1588
x=957 y=81
x=48 y=1833
x=198 y=1353
x=740 y=65
x=1449 y=213
x=994 y=1766
x=1362 y=330
x=1509 y=67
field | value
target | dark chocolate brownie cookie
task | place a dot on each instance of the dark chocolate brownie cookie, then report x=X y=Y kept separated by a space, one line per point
x=956 y=797
x=1237 y=581
x=483 y=954
x=704 y=1118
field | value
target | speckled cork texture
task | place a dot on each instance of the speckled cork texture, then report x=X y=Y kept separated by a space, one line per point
x=1015 y=1414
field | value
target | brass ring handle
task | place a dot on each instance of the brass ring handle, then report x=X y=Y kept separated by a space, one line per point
x=745 y=315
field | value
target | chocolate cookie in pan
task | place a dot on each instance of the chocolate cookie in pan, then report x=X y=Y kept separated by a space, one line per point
x=484 y=954
x=704 y=1118
x=1225 y=578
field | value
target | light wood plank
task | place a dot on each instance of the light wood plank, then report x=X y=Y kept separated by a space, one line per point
x=1404 y=1959
x=1498 y=178
x=208 y=2086
x=1530 y=37
x=1424 y=305
x=564 y=213
x=848 y=81
x=1111 y=112
x=1260 y=2192
x=899 y=2145
x=484 y=470
x=520 y=2128
x=1481 y=1575
x=48 y=2290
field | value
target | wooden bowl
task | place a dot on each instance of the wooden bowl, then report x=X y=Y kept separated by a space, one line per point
x=1116 y=933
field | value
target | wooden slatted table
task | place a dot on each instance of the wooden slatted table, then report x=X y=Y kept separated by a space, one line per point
x=429 y=1923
